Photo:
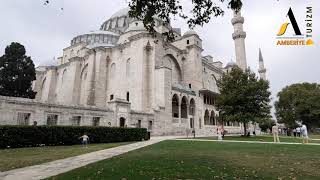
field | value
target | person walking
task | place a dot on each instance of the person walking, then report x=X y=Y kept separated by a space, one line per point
x=304 y=132
x=85 y=139
x=275 y=132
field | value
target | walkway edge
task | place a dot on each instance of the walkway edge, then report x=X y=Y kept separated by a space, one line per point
x=53 y=168
x=256 y=142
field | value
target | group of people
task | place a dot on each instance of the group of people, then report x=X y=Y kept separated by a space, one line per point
x=302 y=130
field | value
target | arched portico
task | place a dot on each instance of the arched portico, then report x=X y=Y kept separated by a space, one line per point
x=184 y=107
x=175 y=106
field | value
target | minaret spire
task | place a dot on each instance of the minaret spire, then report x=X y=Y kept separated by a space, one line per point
x=239 y=36
x=262 y=70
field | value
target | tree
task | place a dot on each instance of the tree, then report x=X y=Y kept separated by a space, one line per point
x=266 y=124
x=16 y=72
x=299 y=103
x=201 y=12
x=243 y=98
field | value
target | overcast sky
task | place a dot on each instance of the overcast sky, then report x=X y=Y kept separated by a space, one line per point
x=46 y=30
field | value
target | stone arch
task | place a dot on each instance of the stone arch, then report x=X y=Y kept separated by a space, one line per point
x=212 y=118
x=206 y=117
x=175 y=106
x=83 y=86
x=184 y=107
x=170 y=62
x=192 y=107
x=112 y=70
x=213 y=83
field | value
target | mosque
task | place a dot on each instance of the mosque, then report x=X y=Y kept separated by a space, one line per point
x=122 y=76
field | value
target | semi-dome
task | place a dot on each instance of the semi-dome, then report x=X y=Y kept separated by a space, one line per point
x=231 y=64
x=94 y=37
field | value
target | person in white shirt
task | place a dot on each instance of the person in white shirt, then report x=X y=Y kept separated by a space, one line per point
x=219 y=132
x=85 y=140
x=275 y=132
x=304 y=132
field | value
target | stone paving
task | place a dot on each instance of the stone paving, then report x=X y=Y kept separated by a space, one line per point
x=60 y=166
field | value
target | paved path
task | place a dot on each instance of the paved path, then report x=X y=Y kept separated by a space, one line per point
x=60 y=166
x=257 y=142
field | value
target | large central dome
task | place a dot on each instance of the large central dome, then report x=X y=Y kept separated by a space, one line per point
x=118 y=22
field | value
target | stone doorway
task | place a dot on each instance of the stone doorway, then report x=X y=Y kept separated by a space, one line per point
x=122 y=122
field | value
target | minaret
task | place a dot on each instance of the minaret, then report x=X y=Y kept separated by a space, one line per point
x=262 y=70
x=238 y=36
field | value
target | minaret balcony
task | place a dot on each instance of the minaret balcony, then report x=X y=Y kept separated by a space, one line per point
x=237 y=20
x=239 y=34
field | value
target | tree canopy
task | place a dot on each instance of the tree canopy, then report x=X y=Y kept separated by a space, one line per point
x=16 y=72
x=243 y=97
x=201 y=13
x=299 y=103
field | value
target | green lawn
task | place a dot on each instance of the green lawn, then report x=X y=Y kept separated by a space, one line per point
x=22 y=157
x=262 y=138
x=207 y=160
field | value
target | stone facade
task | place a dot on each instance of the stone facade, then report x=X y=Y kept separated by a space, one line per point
x=123 y=76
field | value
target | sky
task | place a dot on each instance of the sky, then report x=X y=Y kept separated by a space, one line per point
x=46 y=30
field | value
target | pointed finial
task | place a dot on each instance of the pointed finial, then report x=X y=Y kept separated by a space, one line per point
x=260 y=55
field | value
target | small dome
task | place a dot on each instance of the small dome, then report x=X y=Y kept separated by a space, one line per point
x=231 y=64
x=120 y=13
x=190 y=32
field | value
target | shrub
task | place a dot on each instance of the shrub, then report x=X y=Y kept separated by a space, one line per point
x=30 y=136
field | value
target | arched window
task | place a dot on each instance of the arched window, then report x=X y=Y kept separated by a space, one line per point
x=184 y=107
x=206 y=117
x=192 y=107
x=212 y=118
x=128 y=70
x=175 y=106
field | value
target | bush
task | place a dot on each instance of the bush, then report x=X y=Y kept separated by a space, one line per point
x=30 y=136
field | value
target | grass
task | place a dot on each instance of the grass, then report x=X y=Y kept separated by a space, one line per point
x=263 y=138
x=22 y=157
x=206 y=160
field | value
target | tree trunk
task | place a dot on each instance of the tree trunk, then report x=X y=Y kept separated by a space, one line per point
x=245 y=128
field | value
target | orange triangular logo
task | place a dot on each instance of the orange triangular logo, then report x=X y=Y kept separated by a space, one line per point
x=309 y=42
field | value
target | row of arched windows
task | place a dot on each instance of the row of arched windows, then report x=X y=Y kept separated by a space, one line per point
x=209 y=118
x=183 y=107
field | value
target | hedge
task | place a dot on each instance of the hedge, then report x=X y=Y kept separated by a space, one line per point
x=31 y=136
